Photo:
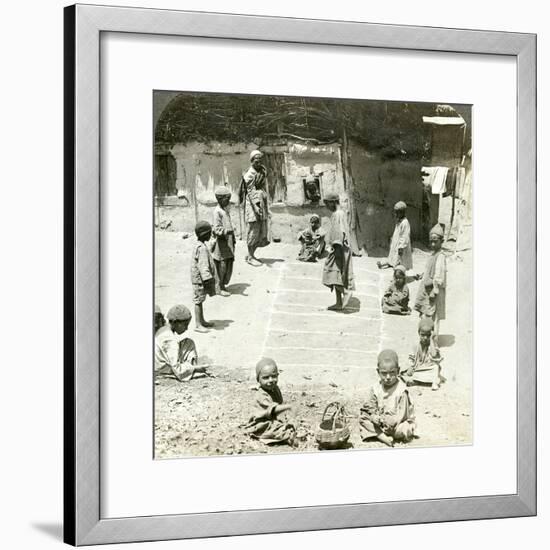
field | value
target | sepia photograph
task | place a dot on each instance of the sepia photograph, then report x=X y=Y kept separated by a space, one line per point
x=312 y=274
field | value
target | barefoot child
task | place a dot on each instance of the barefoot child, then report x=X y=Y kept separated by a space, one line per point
x=175 y=354
x=388 y=414
x=436 y=271
x=424 y=361
x=203 y=274
x=396 y=297
x=400 y=247
x=425 y=301
x=313 y=241
x=224 y=247
x=338 y=269
x=265 y=424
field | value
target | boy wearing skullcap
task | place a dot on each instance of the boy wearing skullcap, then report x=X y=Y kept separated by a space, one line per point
x=338 y=268
x=388 y=413
x=313 y=241
x=396 y=297
x=425 y=359
x=436 y=272
x=265 y=423
x=203 y=274
x=175 y=354
x=224 y=247
x=400 y=246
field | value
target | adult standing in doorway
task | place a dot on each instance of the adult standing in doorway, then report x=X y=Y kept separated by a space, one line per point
x=256 y=211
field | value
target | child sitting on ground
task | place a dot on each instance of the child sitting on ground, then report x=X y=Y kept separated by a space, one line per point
x=400 y=247
x=424 y=361
x=175 y=354
x=396 y=297
x=388 y=414
x=224 y=245
x=313 y=241
x=203 y=274
x=265 y=424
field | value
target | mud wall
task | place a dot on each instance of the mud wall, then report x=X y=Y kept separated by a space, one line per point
x=378 y=184
x=203 y=167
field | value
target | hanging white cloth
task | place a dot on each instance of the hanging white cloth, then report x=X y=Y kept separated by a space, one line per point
x=435 y=178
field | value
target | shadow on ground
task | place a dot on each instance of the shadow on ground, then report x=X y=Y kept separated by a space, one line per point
x=446 y=340
x=237 y=288
x=53 y=530
x=354 y=306
x=269 y=262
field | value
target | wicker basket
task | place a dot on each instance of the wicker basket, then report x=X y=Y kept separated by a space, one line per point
x=333 y=431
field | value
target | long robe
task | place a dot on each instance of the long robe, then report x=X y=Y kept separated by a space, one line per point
x=256 y=209
x=436 y=270
x=338 y=268
x=264 y=424
x=389 y=411
x=174 y=354
x=425 y=364
x=401 y=238
x=223 y=251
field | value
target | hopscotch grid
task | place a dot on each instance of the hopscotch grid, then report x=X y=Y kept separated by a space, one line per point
x=363 y=294
x=382 y=319
x=323 y=332
x=268 y=327
x=317 y=280
x=347 y=308
x=329 y=315
x=343 y=350
x=316 y=265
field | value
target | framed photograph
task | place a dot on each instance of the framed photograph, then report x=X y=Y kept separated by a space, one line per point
x=300 y=275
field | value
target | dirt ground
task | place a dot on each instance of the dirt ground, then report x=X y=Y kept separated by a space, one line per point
x=279 y=310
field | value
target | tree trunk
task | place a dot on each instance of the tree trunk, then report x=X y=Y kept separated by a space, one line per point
x=350 y=189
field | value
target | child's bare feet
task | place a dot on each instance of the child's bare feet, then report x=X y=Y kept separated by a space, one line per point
x=435 y=386
x=224 y=293
x=201 y=328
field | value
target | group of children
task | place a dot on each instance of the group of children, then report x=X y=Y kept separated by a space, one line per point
x=430 y=300
x=388 y=413
x=212 y=259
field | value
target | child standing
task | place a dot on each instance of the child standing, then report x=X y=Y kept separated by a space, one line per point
x=424 y=361
x=265 y=424
x=400 y=247
x=338 y=268
x=224 y=247
x=425 y=302
x=313 y=241
x=203 y=274
x=436 y=272
x=388 y=414
x=396 y=297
